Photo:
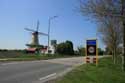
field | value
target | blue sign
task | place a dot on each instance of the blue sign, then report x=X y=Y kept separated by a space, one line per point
x=91 y=42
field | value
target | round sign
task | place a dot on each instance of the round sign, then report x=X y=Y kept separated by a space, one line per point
x=91 y=49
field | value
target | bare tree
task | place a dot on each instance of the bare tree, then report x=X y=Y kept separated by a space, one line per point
x=109 y=26
x=98 y=9
x=111 y=35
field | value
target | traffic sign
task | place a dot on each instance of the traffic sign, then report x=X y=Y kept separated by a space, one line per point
x=91 y=47
x=91 y=50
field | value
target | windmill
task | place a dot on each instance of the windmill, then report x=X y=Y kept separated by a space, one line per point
x=35 y=37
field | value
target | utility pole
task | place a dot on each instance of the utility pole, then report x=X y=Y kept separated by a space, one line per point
x=48 y=35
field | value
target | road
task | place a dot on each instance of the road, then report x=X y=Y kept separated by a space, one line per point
x=35 y=71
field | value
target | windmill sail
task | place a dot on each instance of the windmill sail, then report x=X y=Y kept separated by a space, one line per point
x=37 y=28
x=29 y=29
x=43 y=34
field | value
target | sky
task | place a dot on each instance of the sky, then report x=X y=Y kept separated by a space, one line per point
x=15 y=15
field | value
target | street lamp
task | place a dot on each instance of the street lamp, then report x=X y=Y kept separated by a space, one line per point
x=50 y=18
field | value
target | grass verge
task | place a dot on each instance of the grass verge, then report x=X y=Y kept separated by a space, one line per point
x=105 y=72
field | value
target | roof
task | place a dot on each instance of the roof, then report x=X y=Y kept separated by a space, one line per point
x=43 y=49
x=31 y=49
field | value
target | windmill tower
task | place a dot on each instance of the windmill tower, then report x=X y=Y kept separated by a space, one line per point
x=35 y=37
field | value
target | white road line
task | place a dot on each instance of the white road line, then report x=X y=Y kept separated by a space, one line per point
x=48 y=76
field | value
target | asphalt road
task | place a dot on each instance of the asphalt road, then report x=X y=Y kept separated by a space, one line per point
x=35 y=71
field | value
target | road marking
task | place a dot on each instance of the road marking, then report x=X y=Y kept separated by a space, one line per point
x=48 y=76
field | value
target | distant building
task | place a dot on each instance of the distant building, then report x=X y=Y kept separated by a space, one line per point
x=52 y=48
x=44 y=50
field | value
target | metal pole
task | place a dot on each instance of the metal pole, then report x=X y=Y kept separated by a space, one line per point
x=48 y=34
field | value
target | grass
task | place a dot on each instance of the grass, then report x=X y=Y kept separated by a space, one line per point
x=105 y=72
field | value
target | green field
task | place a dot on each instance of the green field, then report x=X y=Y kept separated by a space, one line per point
x=105 y=72
x=21 y=56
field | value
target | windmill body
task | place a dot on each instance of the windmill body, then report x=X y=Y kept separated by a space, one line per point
x=35 y=38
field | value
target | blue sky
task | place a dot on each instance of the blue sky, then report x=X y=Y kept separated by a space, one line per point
x=15 y=15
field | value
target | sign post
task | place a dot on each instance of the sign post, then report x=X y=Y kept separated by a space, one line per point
x=92 y=50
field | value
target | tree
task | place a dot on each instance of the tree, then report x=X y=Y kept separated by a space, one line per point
x=111 y=35
x=100 y=51
x=69 y=45
x=110 y=25
x=81 y=50
x=65 y=48
x=108 y=51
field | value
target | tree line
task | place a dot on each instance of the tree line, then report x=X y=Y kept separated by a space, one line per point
x=67 y=48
